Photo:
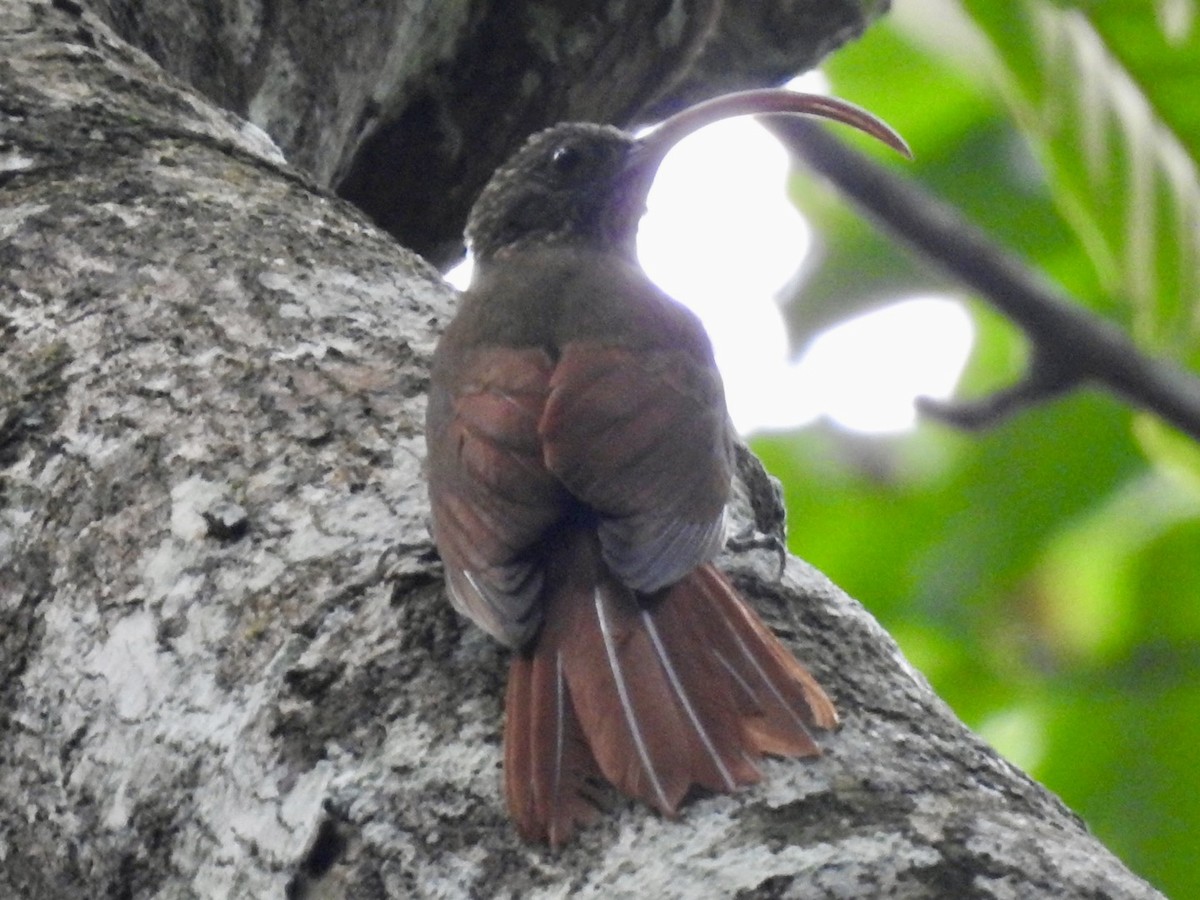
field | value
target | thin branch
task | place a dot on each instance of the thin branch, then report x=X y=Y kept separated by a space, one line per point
x=1043 y=381
x=1071 y=344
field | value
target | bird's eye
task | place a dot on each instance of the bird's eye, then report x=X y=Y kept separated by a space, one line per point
x=566 y=159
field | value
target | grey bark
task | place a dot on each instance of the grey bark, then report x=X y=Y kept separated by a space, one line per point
x=227 y=667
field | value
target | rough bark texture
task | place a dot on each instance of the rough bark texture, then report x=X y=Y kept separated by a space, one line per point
x=227 y=667
x=407 y=107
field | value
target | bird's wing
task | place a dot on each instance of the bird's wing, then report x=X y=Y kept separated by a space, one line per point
x=491 y=495
x=641 y=436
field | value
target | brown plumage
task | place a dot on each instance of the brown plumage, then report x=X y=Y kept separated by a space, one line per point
x=579 y=461
x=653 y=696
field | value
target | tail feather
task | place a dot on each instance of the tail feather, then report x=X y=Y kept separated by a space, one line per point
x=656 y=722
x=784 y=700
x=548 y=766
x=656 y=695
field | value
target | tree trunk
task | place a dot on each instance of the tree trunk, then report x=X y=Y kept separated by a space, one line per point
x=227 y=666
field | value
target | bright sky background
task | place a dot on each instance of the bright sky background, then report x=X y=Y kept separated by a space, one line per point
x=721 y=236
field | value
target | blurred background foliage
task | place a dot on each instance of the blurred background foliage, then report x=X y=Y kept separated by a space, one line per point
x=1044 y=574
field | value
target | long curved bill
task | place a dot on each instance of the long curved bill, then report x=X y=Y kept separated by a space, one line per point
x=766 y=101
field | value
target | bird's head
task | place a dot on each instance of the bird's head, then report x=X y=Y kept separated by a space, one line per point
x=580 y=184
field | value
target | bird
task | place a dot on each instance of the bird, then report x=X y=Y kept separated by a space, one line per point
x=579 y=462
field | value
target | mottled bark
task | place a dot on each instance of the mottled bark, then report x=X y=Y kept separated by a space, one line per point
x=227 y=667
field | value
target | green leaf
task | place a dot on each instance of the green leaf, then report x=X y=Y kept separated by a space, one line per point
x=1106 y=97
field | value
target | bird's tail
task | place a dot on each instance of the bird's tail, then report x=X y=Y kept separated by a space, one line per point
x=653 y=695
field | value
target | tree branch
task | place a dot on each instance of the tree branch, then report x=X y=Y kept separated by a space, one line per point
x=1071 y=345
